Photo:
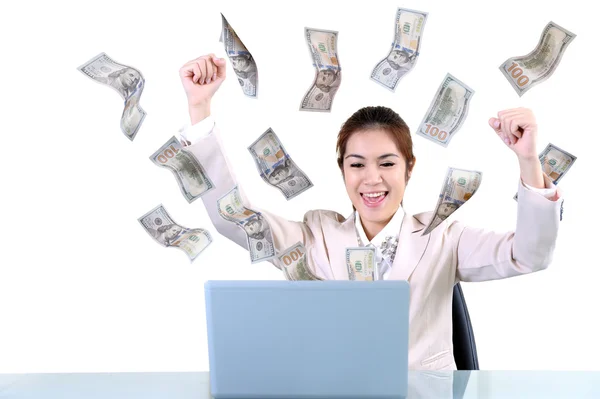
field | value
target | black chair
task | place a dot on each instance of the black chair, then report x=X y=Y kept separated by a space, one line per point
x=465 y=351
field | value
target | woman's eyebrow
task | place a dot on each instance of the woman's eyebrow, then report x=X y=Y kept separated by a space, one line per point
x=388 y=155
x=379 y=157
x=355 y=156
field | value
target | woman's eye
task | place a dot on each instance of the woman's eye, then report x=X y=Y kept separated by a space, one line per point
x=388 y=164
x=356 y=165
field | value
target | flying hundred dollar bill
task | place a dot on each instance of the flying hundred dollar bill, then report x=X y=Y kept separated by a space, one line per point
x=127 y=81
x=191 y=177
x=167 y=233
x=556 y=162
x=242 y=61
x=404 y=52
x=459 y=186
x=525 y=72
x=295 y=264
x=447 y=111
x=328 y=73
x=258 y=231
x=276 y=167
x=360 y=262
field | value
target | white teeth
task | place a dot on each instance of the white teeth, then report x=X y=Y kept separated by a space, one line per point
x=373 y=195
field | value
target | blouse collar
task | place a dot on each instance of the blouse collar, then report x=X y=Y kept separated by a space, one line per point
x=391 y=229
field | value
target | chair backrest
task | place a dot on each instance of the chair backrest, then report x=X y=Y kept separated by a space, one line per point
x=465 y=351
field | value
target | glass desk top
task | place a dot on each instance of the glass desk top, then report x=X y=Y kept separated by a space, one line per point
x=195 y=385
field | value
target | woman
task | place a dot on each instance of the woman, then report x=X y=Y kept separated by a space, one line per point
x=376 y=160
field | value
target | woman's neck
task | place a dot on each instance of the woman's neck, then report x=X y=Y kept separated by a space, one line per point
x=373 y=228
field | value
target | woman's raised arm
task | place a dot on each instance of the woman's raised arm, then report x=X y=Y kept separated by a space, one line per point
x=487 y=255
x=201 y=78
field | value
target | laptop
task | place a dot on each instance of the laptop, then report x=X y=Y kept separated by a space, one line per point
x=307 y=339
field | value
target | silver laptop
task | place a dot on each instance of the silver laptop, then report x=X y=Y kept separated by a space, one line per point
x=307 y=339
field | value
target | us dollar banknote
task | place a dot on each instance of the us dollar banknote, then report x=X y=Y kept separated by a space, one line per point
x=276 y=167
x=556 y=162
x=328 y=73
x=447 y=111
x=242 y=61
x=361 y=264
x=258 y=231
x=405 y=49
x=459 y=186
x=127 y=81
x=191 y=177
x=167 y=233
x=294 y=263
x=526 y=71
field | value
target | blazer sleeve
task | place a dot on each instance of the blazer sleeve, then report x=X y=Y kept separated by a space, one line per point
x=203 y=141
x=486 y=255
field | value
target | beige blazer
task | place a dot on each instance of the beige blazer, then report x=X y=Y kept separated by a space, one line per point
x=432 y=264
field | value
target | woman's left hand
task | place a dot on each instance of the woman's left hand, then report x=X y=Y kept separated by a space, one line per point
x=518 y=129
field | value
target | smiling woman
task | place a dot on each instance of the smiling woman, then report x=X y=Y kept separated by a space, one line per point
x=376 y=158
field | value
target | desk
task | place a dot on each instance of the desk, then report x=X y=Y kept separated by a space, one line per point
x=438 y=384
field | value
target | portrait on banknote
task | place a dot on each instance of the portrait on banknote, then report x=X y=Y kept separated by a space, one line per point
x=327 y=80
x=257 y=228
x=400 y=62
x=283 y=173
x=244 y=67
x=167 y=234
x=124 y=80
x=446 y=209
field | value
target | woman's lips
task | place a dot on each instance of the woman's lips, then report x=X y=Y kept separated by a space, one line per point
x=373 y=202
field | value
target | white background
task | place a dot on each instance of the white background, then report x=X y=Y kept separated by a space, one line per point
x=84 y=288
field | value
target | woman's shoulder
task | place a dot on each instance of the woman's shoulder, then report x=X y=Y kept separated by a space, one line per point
x=320 y=216
x=445 y=228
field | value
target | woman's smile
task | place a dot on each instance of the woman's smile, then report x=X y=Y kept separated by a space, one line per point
x=374 y=199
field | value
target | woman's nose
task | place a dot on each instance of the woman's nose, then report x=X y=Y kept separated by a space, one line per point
x=372 y=176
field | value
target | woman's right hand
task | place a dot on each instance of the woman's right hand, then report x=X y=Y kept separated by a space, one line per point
x=201 y=78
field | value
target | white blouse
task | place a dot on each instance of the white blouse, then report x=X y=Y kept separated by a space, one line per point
x=385 y=243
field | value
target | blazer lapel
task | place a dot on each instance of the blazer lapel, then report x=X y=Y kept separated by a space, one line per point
x=411 y=247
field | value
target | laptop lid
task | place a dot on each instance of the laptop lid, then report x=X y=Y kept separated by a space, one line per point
x=307 y=339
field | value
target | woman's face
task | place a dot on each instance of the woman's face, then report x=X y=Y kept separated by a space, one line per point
x=374 y=171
